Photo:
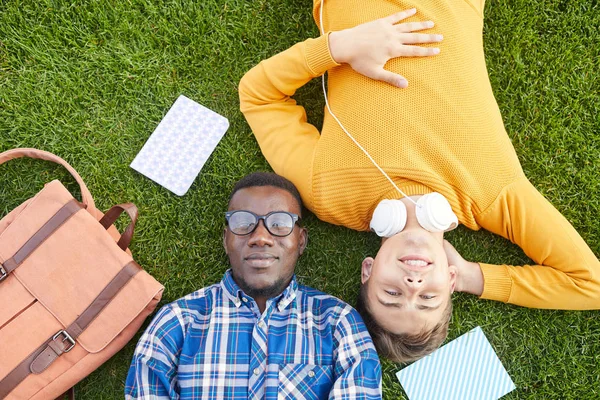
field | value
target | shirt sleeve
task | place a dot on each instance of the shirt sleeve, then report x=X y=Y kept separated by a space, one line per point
x=285 y=137
x=153 y=370
x=357 y=366
x=566 y=274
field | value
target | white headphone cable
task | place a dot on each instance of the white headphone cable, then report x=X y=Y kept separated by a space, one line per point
x=342 y=126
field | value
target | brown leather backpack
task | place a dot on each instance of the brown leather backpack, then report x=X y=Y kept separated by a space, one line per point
x=71 y=294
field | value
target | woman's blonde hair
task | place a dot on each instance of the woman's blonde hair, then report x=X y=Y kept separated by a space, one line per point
x=403 y=348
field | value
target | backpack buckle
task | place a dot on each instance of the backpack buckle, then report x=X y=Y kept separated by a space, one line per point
x=66 y=338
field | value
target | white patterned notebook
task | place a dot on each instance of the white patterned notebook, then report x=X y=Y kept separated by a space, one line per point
x=467 y=368
x=180 y=145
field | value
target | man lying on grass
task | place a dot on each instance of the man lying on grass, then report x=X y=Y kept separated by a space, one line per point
x=257 y=334
x=443 y=134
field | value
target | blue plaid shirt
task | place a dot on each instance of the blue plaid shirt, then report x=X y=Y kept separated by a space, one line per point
x=215 y=344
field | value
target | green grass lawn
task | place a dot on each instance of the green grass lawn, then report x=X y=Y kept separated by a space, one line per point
x=90 y=80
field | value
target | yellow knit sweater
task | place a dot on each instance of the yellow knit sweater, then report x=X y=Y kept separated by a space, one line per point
x=443 y=133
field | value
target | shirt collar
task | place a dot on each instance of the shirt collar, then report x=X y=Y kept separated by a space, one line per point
x=235 y=294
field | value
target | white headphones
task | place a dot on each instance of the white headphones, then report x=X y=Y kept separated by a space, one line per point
x=433 y=213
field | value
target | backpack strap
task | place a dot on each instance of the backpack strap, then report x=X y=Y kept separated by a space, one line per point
x=87 y=199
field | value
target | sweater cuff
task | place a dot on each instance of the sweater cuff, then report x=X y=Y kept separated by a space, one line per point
x=318 y=56
x=497 y=282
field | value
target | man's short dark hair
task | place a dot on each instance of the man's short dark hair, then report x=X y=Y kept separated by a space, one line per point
x=267 y=179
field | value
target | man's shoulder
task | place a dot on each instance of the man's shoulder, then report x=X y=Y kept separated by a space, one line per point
x=317 y=294
x=199 y=302
x=322 y=303
x=174 y=320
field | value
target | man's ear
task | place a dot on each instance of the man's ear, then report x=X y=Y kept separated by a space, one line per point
x=225 y=239
x=303 y=240
x=367 y=267
x=453 y=271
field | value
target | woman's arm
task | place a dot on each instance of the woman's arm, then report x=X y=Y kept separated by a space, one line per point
x=567 y=274
x=286 y=139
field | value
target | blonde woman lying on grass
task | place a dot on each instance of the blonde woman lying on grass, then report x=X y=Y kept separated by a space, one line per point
x=443 y=133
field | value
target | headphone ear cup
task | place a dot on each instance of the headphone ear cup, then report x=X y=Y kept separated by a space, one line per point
x=435 y=214
x=389 y=218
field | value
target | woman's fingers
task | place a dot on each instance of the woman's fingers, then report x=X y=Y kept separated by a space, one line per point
x=393 y=79
x=416 y=51
x=399 y=16
x=414 y=26
x=368 y=47
x=412 y=38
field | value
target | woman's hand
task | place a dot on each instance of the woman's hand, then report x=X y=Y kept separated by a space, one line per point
x=368 y=47
x=469 y=277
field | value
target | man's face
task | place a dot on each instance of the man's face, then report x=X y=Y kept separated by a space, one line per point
x=263 y=264
x=409 y=281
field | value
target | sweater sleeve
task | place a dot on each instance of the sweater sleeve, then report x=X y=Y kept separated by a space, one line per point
x=285 y=137
x=567 y=274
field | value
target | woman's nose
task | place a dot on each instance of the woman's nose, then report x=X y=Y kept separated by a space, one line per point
x=413 y=281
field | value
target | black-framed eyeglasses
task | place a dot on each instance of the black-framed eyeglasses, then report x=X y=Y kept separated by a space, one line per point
x=278 y=223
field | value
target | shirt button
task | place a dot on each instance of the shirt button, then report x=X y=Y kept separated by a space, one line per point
x=257 y=371
x=244 y=299
x=261 y=324
x=311 y=373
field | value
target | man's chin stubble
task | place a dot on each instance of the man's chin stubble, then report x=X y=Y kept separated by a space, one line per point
x=268 y=292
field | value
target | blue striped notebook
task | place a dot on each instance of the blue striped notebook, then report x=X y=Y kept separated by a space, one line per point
x=464 y=369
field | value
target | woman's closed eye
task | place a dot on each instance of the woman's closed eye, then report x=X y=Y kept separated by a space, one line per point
x=393 y=293
x=427 y=297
